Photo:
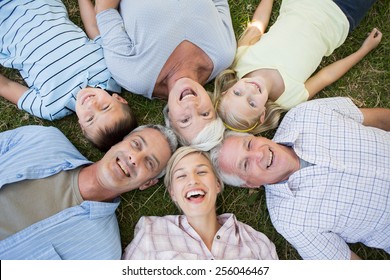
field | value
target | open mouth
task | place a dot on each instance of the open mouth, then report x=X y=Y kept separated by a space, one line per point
x=86 y=98
x=270 y=158
x=187 y=93
x=123 y=168
x=257 y=86
x=195 y=194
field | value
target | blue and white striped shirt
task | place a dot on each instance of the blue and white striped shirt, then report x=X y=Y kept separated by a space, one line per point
x=53 y=55
x=344 y=196
x=87 y=231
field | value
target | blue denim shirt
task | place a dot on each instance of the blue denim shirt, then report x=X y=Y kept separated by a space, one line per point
x=86 y=231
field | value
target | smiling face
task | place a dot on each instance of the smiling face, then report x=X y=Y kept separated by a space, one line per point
x=194 y=186
x=190 y=108
x=134 y=162
x=257 y=160
x=246 y=99
x=97 y=109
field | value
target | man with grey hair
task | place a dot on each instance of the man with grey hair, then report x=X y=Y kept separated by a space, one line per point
x=56 y=204
x=326 y=176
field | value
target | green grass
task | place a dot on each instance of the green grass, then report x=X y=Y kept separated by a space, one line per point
x=368 y=83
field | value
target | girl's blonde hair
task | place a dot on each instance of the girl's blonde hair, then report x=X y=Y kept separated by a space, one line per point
x=225 y=80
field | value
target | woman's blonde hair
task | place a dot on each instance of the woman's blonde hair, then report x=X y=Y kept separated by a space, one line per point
x=225 y=80
x=178 y=156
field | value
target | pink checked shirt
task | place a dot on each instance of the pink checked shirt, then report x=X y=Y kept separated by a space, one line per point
x=172 y=237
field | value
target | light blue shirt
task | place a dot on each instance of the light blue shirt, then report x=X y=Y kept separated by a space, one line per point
x=139 y=39
x=344 y=196
x=86 y=231
x=53 y=55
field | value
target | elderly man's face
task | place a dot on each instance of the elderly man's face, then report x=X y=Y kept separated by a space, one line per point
x=257 y=160
x=134 y=162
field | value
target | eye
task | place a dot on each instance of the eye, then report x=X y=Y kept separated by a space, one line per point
x=236 y=92
x=202 y=172
x=150 y=164
x=252 y=104
x=90 y=119
x=206 y=114
x=185 y=120
x=105 y=107
x=135 y=144
x=180 y=176
x=246 y=164
x=249 y=144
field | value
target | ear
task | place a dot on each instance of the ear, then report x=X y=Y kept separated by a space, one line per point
x=173 y=197
x=218 y=186
x=148 y=184
x=119 y=98
x=262 y=117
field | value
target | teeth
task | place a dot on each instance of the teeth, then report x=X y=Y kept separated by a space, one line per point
x=195 y=193
x=123 y=168
x=187 y=93
x=270 y=158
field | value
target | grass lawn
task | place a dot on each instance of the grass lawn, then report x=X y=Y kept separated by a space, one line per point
x=368 y=83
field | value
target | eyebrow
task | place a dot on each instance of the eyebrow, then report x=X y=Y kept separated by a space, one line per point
x=241 y=163
x=197 y=166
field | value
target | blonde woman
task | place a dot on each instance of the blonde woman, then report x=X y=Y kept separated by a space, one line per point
x=273 y=70
x=199 y=233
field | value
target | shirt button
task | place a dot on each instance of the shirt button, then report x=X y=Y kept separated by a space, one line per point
x=218 y=237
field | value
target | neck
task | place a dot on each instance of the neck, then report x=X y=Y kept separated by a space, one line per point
x=90 y=186
x=294 y=163
x=188 y=61
x=206 y=226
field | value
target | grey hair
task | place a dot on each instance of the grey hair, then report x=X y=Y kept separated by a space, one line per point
x=168 y=134
x=230 y=179
x=210 y=136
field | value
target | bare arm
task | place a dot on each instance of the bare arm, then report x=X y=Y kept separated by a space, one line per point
x=258 y=24
x=88 y=16
x=11 y=90
x=354 y=256
x=101 y=5
x=376 y=117
x=336 y=70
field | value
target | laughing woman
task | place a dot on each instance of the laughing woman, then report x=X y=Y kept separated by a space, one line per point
x=199 y=233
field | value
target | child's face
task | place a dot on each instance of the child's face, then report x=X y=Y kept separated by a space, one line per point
x=190 y=108
x=97 y=109
x=246 y=99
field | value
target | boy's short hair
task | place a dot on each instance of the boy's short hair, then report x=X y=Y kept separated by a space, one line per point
x=109 y=136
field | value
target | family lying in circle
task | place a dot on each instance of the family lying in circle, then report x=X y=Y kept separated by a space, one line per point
x=325 y=172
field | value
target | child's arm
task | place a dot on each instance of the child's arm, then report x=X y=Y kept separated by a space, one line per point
x=101 y=5
x=11 y=90
x=336 y=70
x=88 y=16
x=258 y=24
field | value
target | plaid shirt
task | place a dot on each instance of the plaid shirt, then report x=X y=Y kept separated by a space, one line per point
x=172 y=237
x=344 y=196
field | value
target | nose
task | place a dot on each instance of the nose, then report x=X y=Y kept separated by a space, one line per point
x=193 y=179
x=92 y=104
x=258 y=155
x=133 y=159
